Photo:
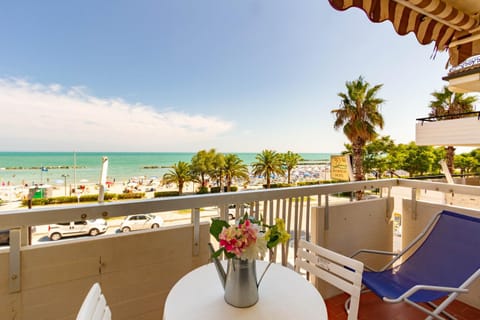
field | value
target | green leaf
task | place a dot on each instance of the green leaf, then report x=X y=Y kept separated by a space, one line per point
x=216 y=227
x=218 y=252
x=274 y=240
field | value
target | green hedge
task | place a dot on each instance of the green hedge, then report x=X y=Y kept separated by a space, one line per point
x=346 y=194
x=135 y=195
x=279 y=185
x=84 y=198
x=202 y=190
x=160 y=194
x=308 y=183
x=217 y=189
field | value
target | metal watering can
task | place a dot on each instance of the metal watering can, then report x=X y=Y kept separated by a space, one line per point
x=239 y=281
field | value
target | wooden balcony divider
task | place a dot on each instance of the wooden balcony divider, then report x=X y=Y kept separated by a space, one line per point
x=136 y=272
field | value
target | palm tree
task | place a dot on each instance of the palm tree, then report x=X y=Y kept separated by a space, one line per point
x=217 y=171
x=291 y=160
x=234 y=168
x=450 y=104
x=268 y=162
x=179 y=174
x=359 y=116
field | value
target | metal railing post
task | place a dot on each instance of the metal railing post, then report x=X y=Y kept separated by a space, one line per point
x=414 y=203
x=327 y=213
x=14 y=260
x=196 y=231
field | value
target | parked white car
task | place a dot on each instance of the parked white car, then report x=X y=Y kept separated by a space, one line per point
x=75 y=228
x=141 y=221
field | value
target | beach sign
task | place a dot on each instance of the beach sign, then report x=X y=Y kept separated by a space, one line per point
x=341 y=168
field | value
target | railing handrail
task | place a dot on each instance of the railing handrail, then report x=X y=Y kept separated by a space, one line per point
x=439 y=186
x=42 y=216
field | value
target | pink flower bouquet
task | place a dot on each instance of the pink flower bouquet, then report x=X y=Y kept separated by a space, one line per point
x=248 y=239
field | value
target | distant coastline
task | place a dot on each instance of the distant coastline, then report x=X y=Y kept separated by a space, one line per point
x=56 y=168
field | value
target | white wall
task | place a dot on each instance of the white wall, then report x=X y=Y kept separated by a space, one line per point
x=352 y=226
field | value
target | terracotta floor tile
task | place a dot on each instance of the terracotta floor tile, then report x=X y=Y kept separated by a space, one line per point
x=372 y=307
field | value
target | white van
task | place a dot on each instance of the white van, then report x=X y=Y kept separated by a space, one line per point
x=75 y=228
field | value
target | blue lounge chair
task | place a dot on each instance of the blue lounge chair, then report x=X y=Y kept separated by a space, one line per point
x=443 y=265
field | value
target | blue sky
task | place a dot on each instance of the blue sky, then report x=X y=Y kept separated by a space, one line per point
x=238 y=76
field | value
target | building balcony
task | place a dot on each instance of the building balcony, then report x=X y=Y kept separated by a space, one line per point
x=49 y=280
x=461 y=130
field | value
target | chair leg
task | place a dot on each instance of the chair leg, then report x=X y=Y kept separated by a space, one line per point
x=440 y=308
x=347 y=304
x=449 y=315
x=431 y=315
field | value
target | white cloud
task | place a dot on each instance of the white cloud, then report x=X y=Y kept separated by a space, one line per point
x=38 y=117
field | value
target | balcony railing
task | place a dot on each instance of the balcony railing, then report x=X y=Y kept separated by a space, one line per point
x=450 y=117
x=448 y=130
x=138 y=269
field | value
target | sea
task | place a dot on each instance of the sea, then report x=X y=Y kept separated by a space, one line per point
x=58 y=168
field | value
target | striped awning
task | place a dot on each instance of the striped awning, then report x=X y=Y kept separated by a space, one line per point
x=448 y=23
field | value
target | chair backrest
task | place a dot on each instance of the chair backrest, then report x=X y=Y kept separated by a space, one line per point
x=94 y=307
x=343 y=272
x=449 y=254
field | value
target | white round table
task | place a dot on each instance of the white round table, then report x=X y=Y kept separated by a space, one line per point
x=283 y=294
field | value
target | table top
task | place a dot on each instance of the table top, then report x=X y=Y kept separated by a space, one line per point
x=283 y=294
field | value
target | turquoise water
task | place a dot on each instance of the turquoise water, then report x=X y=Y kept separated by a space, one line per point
x=25 y=167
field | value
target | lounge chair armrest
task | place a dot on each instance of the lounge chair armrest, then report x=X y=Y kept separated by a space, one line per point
x=419 y=287
x=395 y=256
x=386 y=253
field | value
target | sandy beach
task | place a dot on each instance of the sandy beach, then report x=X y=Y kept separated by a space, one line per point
x=13 y=194
x=142 y=184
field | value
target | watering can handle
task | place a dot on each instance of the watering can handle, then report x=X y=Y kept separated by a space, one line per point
x=221 y=272
x=264 y=271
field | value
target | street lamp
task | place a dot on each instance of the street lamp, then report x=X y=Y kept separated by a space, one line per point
x=64 y=176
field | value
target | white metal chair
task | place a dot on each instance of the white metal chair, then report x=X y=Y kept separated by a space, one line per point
x=340 y=271
x=94 y=307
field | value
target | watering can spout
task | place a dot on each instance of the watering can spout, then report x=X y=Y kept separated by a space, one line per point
x=218 y=265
